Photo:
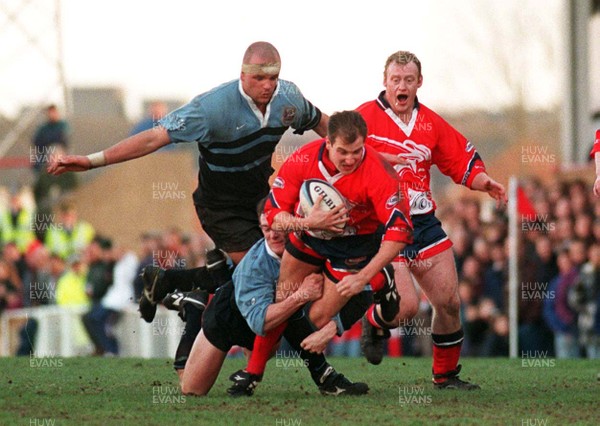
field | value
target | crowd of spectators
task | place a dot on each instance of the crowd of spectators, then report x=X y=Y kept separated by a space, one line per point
x=558 y=262
x=59 y=259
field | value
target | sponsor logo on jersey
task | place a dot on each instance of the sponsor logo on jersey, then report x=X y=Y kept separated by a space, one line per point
x=392 y=201
x=419 y=202
x=289 y=114
x=355 y=260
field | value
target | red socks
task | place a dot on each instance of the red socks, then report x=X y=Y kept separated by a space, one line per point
x=263 y=346
x=377 y=282
x=446 y=353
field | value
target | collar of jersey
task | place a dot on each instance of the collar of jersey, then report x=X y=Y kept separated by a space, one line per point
x=271 y=252
x=406 y=128
x=325 y=165
x=262 y=119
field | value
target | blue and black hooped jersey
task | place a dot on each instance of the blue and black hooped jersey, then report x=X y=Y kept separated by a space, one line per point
x=236 y=141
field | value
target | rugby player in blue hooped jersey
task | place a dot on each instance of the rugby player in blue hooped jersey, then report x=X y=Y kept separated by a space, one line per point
x=236 y=126
x=255 y=311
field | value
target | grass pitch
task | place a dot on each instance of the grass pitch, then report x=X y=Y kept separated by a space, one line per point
x=55 y=391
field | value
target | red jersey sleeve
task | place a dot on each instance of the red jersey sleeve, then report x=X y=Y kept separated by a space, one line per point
x=596 y=147
x=285 y=190
x=391 y=206
x=455 y=156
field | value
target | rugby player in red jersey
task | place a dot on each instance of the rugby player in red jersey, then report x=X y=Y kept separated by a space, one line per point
x=413 y=138
x=596 y=157
x=376 y=228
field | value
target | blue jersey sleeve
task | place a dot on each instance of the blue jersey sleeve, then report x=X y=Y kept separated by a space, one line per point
x=254 y=281
x=188 y=123
x=305 y=116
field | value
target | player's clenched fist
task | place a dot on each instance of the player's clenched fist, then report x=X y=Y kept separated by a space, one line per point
x=311 y=288
x=351 y=285
x=69 y=163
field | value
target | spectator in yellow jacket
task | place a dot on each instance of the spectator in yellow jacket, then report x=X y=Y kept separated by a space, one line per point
x=70 y=288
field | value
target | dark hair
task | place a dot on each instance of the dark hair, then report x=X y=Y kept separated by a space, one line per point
x=346 y=125
x=260 y=207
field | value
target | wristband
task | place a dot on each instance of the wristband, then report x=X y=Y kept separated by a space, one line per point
x=97 y=159
x=338 y=324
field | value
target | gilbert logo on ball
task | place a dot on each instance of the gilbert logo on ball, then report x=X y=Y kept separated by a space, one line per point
x=310 y=191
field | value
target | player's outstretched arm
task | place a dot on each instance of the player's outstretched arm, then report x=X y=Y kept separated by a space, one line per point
x=321 y=128
x=310 y=289
x=597 y=182
x=135 y=146
x=482 y=182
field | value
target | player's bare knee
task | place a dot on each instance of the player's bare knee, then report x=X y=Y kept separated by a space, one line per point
x=188 y=390
x=407 y=311
x=449 y=306
x=318 y=317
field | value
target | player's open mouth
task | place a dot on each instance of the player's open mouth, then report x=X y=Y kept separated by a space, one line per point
x=402 y=98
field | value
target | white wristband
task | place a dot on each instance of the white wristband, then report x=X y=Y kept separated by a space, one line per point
x=97 y=159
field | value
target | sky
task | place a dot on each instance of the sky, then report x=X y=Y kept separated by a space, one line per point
x=475 y=53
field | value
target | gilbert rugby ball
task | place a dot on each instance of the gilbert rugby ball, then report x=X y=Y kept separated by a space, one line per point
x=310 y=191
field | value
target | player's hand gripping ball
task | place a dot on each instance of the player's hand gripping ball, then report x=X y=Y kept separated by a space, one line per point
x=310 y=191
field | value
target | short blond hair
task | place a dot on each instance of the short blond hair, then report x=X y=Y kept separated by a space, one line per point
x=402 y=57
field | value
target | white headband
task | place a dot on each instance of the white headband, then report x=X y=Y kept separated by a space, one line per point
x=271 y=69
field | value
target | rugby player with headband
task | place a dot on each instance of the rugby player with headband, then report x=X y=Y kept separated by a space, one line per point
x=236 y=127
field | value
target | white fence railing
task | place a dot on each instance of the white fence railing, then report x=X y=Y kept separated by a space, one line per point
x=60 y=332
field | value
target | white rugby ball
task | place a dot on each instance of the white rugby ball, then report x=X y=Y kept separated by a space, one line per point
x=310 y=190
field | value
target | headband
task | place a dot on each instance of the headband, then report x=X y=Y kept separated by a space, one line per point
x=271 y=69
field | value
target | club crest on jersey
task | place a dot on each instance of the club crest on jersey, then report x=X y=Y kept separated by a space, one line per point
x=289 y=114
x=278 y=183
x=469 y=146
